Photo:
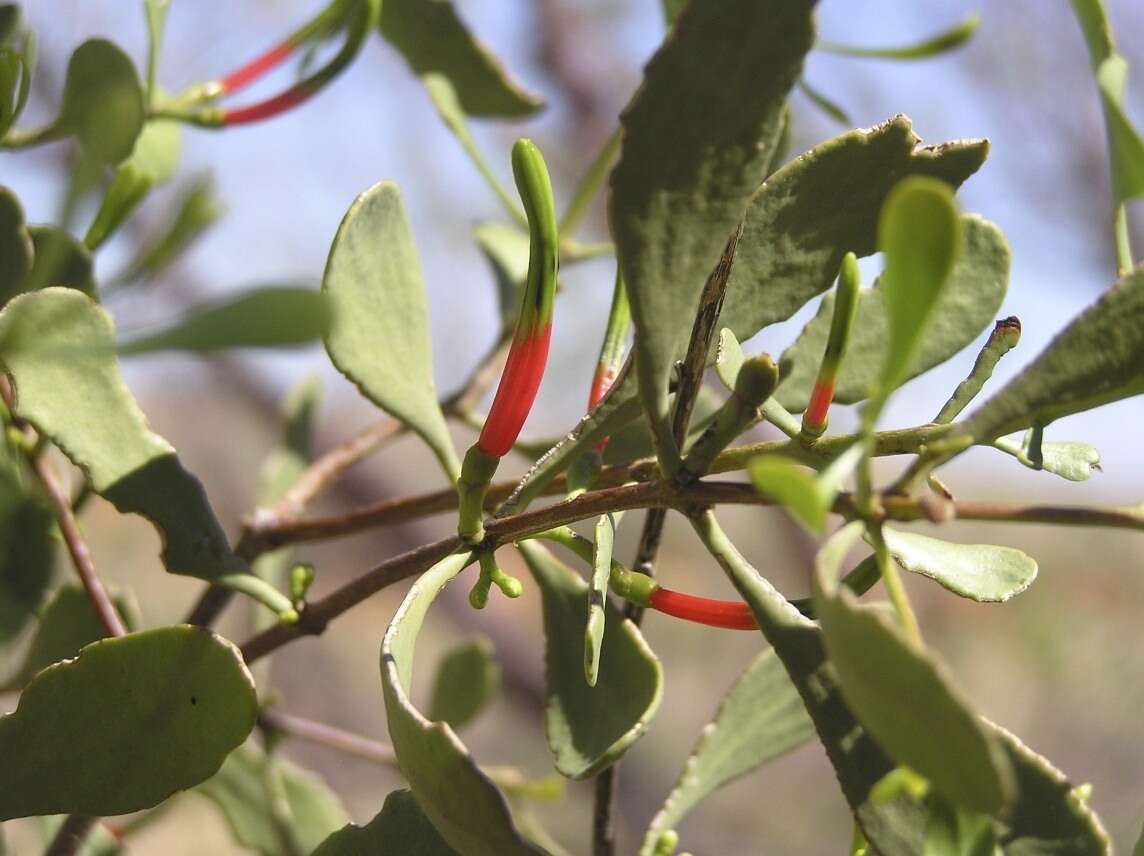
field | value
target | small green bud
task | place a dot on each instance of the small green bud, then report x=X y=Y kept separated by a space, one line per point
x=756 y=380
x=301 y=577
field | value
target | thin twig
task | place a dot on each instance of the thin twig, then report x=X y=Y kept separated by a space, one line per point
x=328 y=735
x=71 y=835
x=663 y=494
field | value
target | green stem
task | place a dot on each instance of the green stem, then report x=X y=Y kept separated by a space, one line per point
x=895 y=588
x=1123 y=240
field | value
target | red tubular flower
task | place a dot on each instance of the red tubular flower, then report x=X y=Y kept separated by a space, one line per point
x=728 y=614
x=527 y=358
x=252 y=71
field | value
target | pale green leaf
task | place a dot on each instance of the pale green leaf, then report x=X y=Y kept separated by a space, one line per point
x=103 y=101
x=717 y=90
x=380 y=334
x=434 y=40
x=796 y=232
x=981 y=572
x=968 y=304
x=59 y=348
x=468 y=678
x=808 y=495
x=400 y=829
x=877 y=666
x=919 y=232
x=192 y=701
x=462 y=804
x=67 y=623
x=1070 y=459
x=270 y=317
x=1098 y=358
x=761 y=718
x=729 y=358
x=271 y=805
x=588 y=728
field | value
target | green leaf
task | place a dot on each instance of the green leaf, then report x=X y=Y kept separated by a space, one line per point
x=191 y=702
x=824 y=103
x=271 y=805
x=1047 y=817
x=459 y=800
x=433 y=39
x=271 y=317
x=760 y=719
x=588 y=728
x=1125 y=148
x=58 y=260
x=729 y=358
x=399 y=829
x=919 y=232
x=68 y=623
x=15 y=246
x=153 y=161
x=968 y=304
x=1098 y=358
x=59 y=347
x=807 y=495
x=797 y=209
x=955 y=831
x=981 y=572
x=27 y=550
x=877 y=666
x=717 y=89
x=938 y=43
x=1069 y=460
x=468 y=678
x=597 y=622
x=506 y=250
x=103 y=101
x=380 y=335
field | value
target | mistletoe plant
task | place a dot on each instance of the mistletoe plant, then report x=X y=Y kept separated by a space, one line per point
x=717 y=235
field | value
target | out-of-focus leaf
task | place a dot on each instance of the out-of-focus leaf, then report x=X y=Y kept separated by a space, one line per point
x=10 y=21
x=273 y=806
x=807 y=495
x=68 y=623
x=798 y=210
x=588 y=728
x=191 y=702
x=967 y=305
x=380 y=335
x=1098 y=358
x=153 y=161
x=955 y=831
x=1125 y=147
x=824 y=103
x=58 y=259
x=15 y=246
x=272 y=317
x=1069 y=460
x=286 y=463
x=468 y=678
x=938 y=43
x=981 y=572
x=103 y=101
x=717 y=89
x=506 y=248
x=27 y=552
x=400 y=829
x=761 y=718
x=470 y=814
x=434 y=40
x=59 y=347
x=920 y=233
x=197 y=208
x=936 y=734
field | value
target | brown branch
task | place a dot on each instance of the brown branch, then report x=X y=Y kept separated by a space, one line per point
x=70 y=836
x=660 y=494
x=276 y=720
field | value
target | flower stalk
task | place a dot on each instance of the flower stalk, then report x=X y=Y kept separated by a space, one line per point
x=817 y=415
x=528 y=353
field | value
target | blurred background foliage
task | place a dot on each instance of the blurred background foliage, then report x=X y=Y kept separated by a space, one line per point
x=1060 y=665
